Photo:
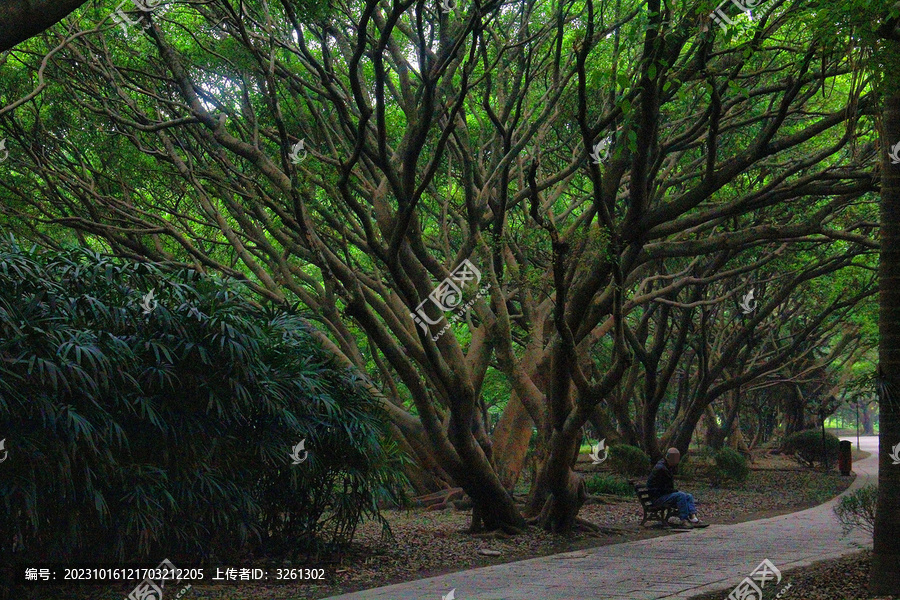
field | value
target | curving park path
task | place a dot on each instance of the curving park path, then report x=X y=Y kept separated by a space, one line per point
x=672 y=567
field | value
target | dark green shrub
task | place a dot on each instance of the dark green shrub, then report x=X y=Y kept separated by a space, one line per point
x=629 y=460
x=602 y=483
x=730 y=465
x=806 y=447
x=857 y=509
x=169 y=432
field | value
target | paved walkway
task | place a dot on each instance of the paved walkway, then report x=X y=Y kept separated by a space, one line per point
x=673 y=567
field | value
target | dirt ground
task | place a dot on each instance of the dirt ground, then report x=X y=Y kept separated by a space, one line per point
x=845 y=578
x=428 y=543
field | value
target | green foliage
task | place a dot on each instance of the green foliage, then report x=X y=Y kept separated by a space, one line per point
x=857 y=509
x=806 y=446
x=695 y=464
x=495 y=391
x=629 y=460
x=602 y=483
x=730 y=465
x=169 y=432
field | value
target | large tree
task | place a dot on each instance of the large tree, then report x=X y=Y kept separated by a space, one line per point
x=436 y=134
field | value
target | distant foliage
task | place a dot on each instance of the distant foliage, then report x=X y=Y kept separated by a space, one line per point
x=697 y=463
x=629 y=460
x=806 y=446
x=730 y=465
x=169 y=433
x=602 y=483
x=856 y=510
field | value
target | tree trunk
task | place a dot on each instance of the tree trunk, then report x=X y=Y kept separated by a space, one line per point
x=515 y=429
x=425 y=474
x=604 y=427
x=794 y=417
x=558 y=490
x=865 y=415
x=884 y=576
x=619 y=405
x=736 y=439
x=511 y=438
x=560 y=511
x=540 y=486
x=682 y=431
x=492 y=505
x=22 y=19
x=715 y=435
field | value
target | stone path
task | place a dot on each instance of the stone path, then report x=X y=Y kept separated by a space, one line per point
x=673 y=567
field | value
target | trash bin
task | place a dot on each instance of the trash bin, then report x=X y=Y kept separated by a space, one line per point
x=845 y=462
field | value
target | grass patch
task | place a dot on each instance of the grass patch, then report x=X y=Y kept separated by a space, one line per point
x=602 y=483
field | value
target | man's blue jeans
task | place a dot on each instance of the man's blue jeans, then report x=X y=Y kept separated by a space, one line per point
x=684 y=501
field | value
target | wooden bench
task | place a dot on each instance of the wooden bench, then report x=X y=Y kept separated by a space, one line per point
x=653 y=512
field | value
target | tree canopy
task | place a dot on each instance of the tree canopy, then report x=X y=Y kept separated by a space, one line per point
x=619 y=175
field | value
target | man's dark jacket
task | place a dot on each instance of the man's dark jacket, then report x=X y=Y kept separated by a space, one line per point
x=661 y=480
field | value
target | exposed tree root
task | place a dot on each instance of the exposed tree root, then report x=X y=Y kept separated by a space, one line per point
x=505 y=532
x=443 y=497
x=560 y=515
x=540 y=519
x=585 y=525
x=478 y=527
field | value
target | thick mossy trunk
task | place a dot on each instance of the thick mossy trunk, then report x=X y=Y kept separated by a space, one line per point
x=558 y=492
x=561 y=506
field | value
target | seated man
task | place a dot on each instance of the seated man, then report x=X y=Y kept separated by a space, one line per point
x=661 y=485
